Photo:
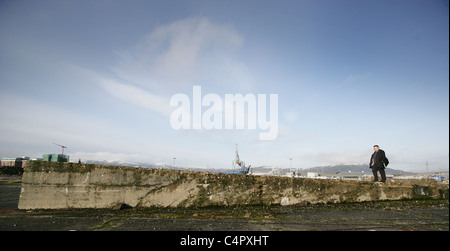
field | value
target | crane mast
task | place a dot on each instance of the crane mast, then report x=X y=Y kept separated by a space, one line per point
x=62 y=147
x=241 y=164
x=237 y=161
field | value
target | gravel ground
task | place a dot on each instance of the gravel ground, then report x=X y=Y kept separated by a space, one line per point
x=406 y=215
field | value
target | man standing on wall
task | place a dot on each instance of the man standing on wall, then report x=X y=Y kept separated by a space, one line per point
x=378 y=163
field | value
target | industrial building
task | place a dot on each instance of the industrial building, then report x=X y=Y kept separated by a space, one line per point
x=13 y=166
x=15 y=162
x=56 y=157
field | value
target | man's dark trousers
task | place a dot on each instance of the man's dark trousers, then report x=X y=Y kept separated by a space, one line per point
x=375 y=170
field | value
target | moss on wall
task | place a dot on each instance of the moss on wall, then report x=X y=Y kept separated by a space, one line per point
x=89 y=185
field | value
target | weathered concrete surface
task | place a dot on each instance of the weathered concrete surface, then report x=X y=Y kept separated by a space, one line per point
x=409 y=215
x=47 y=185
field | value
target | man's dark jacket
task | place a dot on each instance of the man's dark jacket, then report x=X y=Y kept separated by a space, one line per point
x=379 y=159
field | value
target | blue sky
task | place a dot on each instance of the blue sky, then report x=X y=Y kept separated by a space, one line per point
x=97 y=76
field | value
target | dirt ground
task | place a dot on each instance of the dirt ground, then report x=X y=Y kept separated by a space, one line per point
x=405 y=215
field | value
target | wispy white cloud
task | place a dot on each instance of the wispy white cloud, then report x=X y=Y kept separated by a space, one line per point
x=290 y=116
x=35 y=125
x=136 y=96
x=173 y=58
x=354 y=77
x=184 y=53
x=106 y=156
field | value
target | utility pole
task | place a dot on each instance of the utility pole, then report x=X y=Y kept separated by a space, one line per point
x=173 y=163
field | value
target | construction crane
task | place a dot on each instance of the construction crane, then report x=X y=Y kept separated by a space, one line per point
x=61 y=147
x=237 y=162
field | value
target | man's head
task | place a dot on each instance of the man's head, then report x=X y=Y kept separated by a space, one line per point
x=376 y=148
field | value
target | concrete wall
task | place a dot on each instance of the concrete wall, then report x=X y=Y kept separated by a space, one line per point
x=47 y=185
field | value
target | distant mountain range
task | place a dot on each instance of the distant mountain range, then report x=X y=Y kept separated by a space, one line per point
x=324 y=170
x=156 y=165
x=125 y=163
x=332 y=169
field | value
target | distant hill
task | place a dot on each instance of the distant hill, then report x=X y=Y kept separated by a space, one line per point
x=325 y=170
x=329 y=170
x=346 y=168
